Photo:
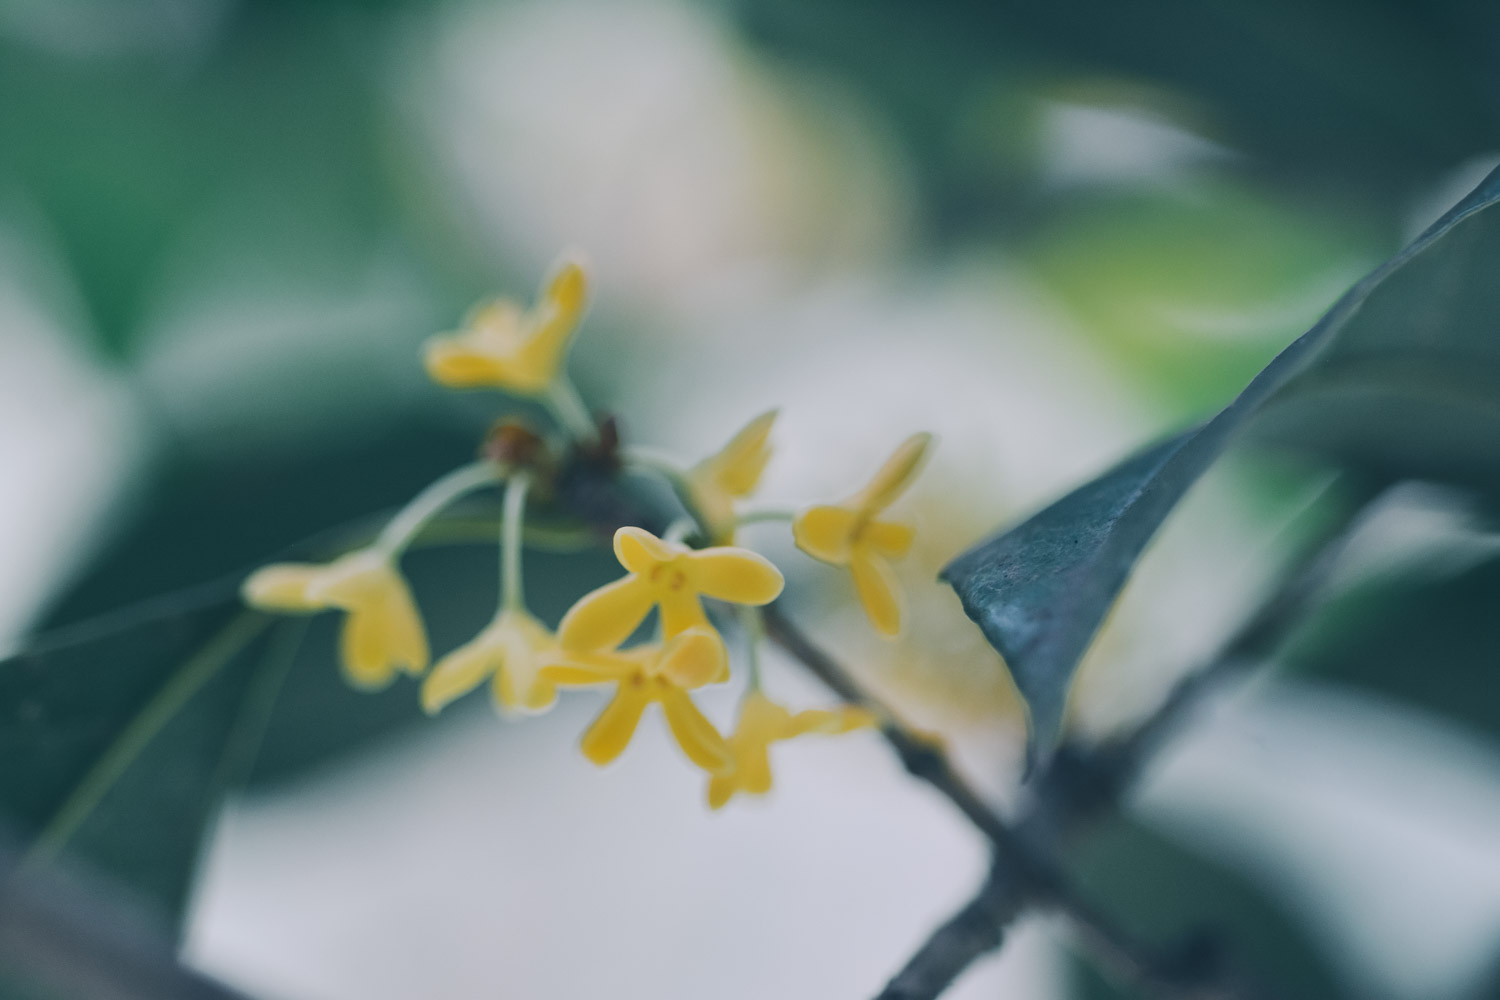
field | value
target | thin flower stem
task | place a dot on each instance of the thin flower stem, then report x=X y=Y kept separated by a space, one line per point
x=679 y=529
x=568 y=407
x=753 y=622
x=764 y=516
x=408 y=523
x=512 y=594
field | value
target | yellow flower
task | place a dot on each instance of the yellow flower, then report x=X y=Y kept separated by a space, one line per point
x=850 y=534
x=383 y=632
x=730 y=474
x=510 y=651
x=672 y=576
x=502 y=347
x=763 y=722
x=663 y=674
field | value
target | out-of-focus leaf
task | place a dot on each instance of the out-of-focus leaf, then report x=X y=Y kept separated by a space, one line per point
x=1040 y=590
x=1164 y=893
x=115 y=746
x=1428 y=643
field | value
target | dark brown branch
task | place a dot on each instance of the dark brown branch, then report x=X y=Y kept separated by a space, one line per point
x=1081 y=784
x=1024 y=873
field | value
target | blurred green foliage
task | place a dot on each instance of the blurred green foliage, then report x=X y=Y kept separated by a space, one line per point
x=277 y=152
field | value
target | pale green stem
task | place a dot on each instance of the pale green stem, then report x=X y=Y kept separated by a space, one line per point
x=408 y=523
x=754 y=624
x=568 y=407
x=764 y=516
x=512 y=596
x=679 y=529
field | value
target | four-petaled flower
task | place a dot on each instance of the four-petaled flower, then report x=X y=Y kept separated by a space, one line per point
x=850 y=534
x=511 y=651
x=672 y=576
x=383 y=632
x=763 y=722
x=729 y=474
x=644 y=674
x=502 y=347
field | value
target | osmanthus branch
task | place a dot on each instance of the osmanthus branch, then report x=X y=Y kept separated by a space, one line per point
x=1082 y=784
x=1024 y=873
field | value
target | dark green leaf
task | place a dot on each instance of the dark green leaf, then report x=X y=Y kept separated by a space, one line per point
x=1039 y=591
x=115 y=748
x=1164 y=893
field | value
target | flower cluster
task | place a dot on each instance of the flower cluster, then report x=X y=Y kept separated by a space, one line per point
x=524 y=352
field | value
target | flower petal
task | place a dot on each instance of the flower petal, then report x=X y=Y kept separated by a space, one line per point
x=894 y=476
x=736 y=575
x=681 y=610
x=695 y=734
x=694 y=658
x=830 y=721
x=606 y=617
x=737 y=468
x=721 y=788
x=458 y=673
x=610 y=734
x=552 y=322
x=584 y=669
x=363 y=651
x=889 y=538
x=282 y=587
x=753 y=769
x=826 y=532
x=640 y=551
x=878 y=591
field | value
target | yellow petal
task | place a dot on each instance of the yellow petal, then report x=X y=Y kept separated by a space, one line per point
x=894 y=476
x=753 y=769
x=889 y=538
x=606 y=617
x=761 y=720
x=878 y=591
x=681 y=610
x=640 y=551
x=695 y=734
x=282 y=587
x=585 y=669
x=826 y=532
x=453 y=362
x=552 y=322
x=520 y=642
x=736 y=575
x=830 y=722
x=610 y=734
x=364 y=653
x=458 y=673
x=694 y=658
x=736 y=470
x=362 y=577
x=721 y=788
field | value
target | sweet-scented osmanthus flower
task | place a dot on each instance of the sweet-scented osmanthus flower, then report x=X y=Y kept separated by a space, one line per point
x=510 y=652
x=852 y=534
x=763 y=722
x=731 y=474
x=670 y=576
x=663 y=674
x=502 y=347
x=383 y=632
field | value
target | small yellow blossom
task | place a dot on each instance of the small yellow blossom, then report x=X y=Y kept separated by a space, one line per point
x=672 y=576
x=850 y=534
x=383 y=632
x=731 y=473
x=510 y=651
x=663 y=674
x=763 y=722
x=502 y=347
